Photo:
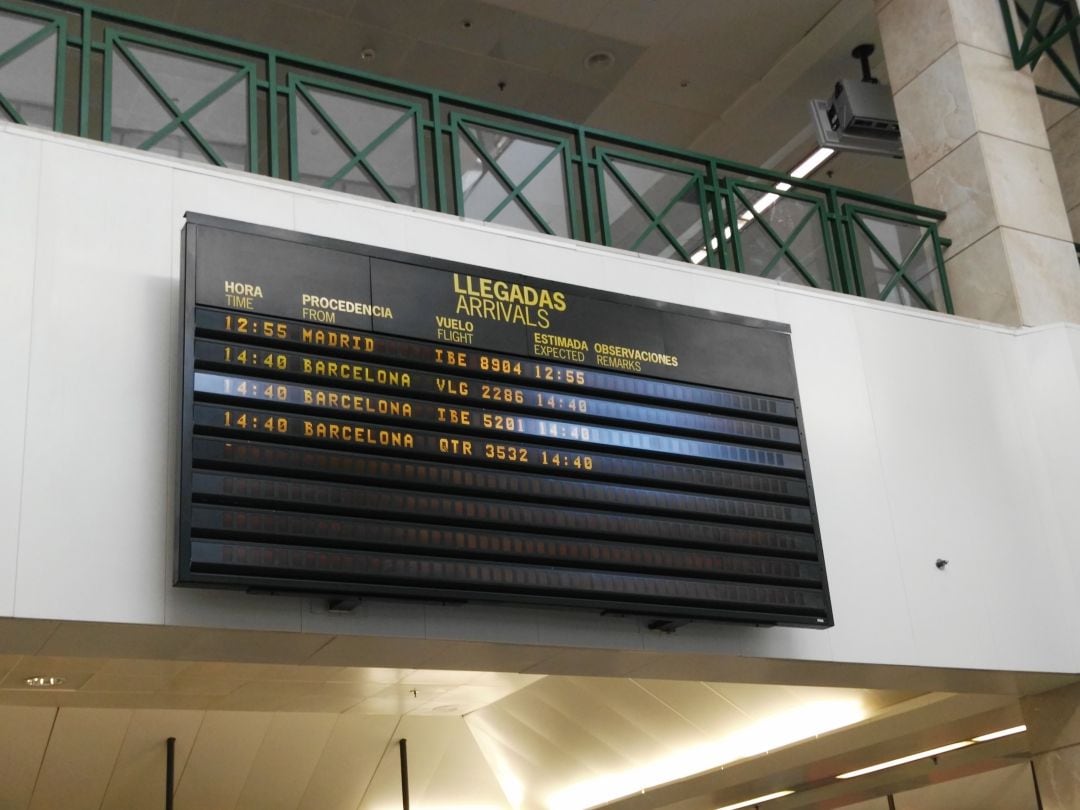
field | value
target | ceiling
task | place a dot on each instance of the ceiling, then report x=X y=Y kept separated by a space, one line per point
x=286 y=736
x=731 y=78
x=305 y=736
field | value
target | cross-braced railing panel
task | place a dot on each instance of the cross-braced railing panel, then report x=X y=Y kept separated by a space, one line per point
x=31 y=47
x=1046 y=32
x=511 y=176
x=178 y=102
x=355 y=142
x=653 y=208
x=782 y=235
x=899 y=260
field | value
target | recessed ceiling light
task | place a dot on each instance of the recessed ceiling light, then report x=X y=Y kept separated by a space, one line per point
x=599 y=60
x=44 y=680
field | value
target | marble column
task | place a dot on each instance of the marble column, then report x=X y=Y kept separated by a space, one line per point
x=976 y=147
x=1063 y=128
x=1053 y=721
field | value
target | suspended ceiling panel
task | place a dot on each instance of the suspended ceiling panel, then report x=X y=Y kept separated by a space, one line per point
x=1009 y=788
x=22 y=753
x=556 y=744
x=578 y=742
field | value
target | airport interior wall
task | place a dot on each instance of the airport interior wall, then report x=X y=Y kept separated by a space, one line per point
x=929 y=436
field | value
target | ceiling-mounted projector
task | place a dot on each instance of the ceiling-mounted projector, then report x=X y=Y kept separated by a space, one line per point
x=859 y=116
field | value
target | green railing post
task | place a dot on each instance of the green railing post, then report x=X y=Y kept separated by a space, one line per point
x=438 y=133
x=585 y=171
x=717 y=257
x=271 y=116
x=845 y=264
x=86 y=47
x=738 y=261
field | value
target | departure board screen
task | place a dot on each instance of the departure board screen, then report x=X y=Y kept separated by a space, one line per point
x=359 y=422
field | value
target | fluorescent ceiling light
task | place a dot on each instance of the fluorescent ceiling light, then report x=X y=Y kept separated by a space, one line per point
x=699 y=257
x=767 y=734
x=933 y=752
x=766 y=202
x=892 y=763
x=995 y=735
x=808 y=166
x=758 y=800
x=812 y=163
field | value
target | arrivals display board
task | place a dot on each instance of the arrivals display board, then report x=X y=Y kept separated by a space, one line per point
x=358 y=422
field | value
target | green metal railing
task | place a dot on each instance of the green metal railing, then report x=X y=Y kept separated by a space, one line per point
x=119 y=78
x=1050 y=30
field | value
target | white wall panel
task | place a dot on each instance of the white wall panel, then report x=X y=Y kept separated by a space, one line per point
x=377 y=617
x=1048 y=386
x=869 y=601
x=98 y=430
x=515 y=625
x=19 y=174
x=929 y=437
x=197 y=607
x=327 y=216
x=1072 y=333
x=942 y=399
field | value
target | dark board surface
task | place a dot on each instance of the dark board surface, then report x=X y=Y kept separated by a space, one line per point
x=362 y=422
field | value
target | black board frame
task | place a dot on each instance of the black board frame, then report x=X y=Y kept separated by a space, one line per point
x=301 y=586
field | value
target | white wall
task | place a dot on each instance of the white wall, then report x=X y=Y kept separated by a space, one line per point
x=929 y=436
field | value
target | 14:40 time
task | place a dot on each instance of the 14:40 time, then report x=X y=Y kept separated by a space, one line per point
x=575 y=461
x=253 y=421
x=253 y=358
x=561 y=403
